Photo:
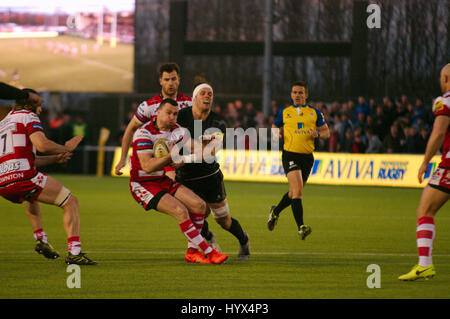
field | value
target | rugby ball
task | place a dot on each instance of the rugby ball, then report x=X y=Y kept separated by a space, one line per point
x=160 y=148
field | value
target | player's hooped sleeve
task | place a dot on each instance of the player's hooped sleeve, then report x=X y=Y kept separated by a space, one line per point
x=33 y=124
x=142 y=142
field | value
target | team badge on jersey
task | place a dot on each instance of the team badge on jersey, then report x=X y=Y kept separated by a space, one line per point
x=438 y=105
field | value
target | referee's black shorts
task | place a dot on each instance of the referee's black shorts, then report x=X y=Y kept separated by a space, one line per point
x=211 y=188
x=296 y=161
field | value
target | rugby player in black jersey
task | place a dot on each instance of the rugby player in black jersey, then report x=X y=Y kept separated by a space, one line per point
x=205 y=178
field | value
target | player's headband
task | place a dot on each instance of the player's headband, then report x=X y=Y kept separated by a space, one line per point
x=199 y=87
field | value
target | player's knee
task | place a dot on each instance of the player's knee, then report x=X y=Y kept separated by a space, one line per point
x=220 y=212
x=71 y=204
x=32 y=209
x=296 y=194
x=424 y=208
x=425 y=211
x=65 y=197
x=180 y=213
x=199 y=206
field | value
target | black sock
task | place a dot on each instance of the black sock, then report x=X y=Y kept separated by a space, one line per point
x=205 y=231
x=285 y=202
x=237 y=231
x=297 y=209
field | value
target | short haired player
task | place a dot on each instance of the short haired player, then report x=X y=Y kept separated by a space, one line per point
x=437 y=192
x=169 y=79
x=152 y=189
x=21 y=133
x=206 y=178
x=301 y=124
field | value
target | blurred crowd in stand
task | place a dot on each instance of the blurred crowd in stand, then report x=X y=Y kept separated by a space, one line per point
x=64 y=126
x=362 y=126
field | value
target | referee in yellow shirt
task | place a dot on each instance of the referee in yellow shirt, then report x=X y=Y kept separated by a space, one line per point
x=301 y=124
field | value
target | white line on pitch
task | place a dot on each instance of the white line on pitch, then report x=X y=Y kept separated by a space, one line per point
x=273 y=253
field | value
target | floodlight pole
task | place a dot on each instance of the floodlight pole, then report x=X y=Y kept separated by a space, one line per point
x=267 y=71
x=113 y=40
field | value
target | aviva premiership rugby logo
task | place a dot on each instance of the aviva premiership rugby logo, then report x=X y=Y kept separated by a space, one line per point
x=160 y=148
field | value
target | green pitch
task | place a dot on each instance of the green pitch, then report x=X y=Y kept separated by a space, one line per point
x=107 y=70
x=140 y=253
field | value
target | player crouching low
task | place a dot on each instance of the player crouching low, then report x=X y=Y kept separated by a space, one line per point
x=152 y=189
x=21 y=134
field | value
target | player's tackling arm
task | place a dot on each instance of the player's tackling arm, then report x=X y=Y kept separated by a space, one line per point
x=52 y=159
x=44 y=145
x=151 y=164
x=126 y=143
x=435 y=141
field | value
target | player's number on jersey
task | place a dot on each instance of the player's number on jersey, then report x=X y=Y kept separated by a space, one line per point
x=6 y=143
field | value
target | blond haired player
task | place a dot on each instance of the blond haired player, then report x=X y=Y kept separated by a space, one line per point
x=206 y=178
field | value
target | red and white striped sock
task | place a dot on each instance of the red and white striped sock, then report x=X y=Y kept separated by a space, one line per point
x=193 y=235
x=197 y=220
x=39 y=234
x=426 y=231
x=74 y=245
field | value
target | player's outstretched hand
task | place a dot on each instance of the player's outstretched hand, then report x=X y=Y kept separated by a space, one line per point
x=73 y=142
x=34 y=99
x=63 y=157
x=422 y=170
x=119 y=167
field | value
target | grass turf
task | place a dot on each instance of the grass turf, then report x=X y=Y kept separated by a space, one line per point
x=140 y=253
x=107 y=70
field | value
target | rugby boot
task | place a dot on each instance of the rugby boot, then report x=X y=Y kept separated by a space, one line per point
x=46 y=249
x=419 y=272
x=194 y=256
x=304 y=231
x=215 y=257
x=213 y=242
x=272 y=219
x=244 y=250
x=80 y=259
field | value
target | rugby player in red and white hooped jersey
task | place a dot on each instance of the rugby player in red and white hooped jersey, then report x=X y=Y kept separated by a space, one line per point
x=153 y=189
x=437 y=192
x=169 y=79
x=21 y=134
